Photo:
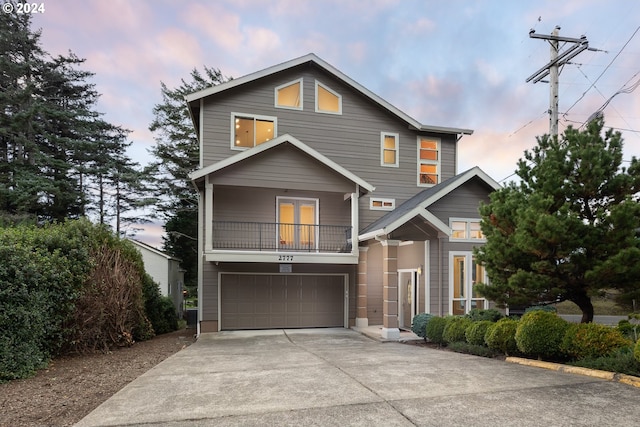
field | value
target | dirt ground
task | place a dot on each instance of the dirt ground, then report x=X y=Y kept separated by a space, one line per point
x=72 y=386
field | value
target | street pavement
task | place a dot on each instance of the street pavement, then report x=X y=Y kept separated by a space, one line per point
x=338 y=377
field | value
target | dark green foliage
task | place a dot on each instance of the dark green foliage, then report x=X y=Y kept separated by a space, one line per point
x=568 y=228
x=476 y=332
x=476 y=350
x=540 y=334
x=501 y=336
x=590 y=340
x=435 y=330
x=419 y=324
x=41 y=275
x=159 y=309
x=622 y=361
x=478 y=314
x=636 y=351
x=629 y=330
x=455 y=329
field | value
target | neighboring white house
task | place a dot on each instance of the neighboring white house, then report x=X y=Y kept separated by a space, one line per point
x=165 y=270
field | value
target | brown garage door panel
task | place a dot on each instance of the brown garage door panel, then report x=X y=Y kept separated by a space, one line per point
x=281 y=301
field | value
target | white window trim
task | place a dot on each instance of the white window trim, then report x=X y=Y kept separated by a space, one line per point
x=304 y=199
x=396 y=148
x=468 y=222
x=255 y=117
x=468 y=282
x=327 y=88
x=428 y=162
x=381 y=208
x=275 y=95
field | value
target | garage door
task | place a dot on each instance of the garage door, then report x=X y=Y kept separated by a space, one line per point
x=281 y=301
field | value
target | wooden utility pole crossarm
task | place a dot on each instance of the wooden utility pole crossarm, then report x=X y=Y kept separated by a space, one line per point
x=551 y=69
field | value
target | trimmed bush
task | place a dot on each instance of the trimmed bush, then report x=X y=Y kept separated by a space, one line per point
x=476 y=331
x=540 y=334
x=419 y=324
x=455 y=329
x=501 y=336
x=491 y=314
x=435 y=329
x=590 y=340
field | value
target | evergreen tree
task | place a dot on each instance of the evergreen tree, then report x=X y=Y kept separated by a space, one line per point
x=568 y=230
x=177 y=154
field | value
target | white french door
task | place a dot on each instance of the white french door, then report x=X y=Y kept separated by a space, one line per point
x=297 y=223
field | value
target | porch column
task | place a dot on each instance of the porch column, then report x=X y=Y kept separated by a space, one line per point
x=390 y=328
x=208 y=215
x=362 y=319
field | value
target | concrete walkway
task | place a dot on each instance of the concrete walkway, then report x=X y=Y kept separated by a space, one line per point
x=338 y=377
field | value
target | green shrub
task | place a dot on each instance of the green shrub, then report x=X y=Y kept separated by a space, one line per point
x=478 y=314
x=628 y=329
x=476 y=350
x=419 y=324
x=501 y=336
x=435 y=330
x=455 y=329
x=540 y=334
x=476 y=331
x=621 y=361
x=636 y=351
x=159 y=310
x=590 y=340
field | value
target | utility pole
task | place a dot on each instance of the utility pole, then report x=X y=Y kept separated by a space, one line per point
x=551 y=69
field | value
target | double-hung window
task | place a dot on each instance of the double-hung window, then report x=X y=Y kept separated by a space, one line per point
x=428 y=161
x=389 y=149
x=248 y=130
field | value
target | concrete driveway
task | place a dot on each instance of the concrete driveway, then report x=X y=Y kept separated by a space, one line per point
x=337 y=377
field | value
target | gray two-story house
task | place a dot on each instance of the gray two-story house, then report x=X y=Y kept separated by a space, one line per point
x=322 y=205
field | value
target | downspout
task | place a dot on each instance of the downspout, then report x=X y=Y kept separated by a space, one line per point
x=440 y=288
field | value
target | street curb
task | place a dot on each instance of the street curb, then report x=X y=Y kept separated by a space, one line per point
x=595 y=373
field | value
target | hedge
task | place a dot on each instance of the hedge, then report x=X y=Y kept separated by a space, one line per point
x=540 y=334
x=590 y=340
x=501 y=336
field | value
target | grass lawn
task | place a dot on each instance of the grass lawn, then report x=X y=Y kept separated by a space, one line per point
x=601 y=306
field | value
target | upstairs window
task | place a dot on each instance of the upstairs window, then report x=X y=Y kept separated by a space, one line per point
x=289 y=95
x=389 y=149
x=428 y=161
x=250 y=130
x=327 y=100
x=466 y=230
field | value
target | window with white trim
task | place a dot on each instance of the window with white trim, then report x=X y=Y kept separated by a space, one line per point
x=389 y=150
x=327 y=100
x=289 y=95
x=378 y=204
x=428 y=161
x=465 y=229
x=249 y=130
x=464 y=274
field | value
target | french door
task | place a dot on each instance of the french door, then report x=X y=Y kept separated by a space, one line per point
x=297 y=224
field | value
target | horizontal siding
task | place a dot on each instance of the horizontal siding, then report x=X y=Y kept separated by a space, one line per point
x=351 y=139
x=259 y=205
x=462 y=202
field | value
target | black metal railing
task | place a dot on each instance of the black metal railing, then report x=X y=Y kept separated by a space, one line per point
x=264 y=236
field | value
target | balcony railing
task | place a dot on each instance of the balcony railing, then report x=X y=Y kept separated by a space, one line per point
x=262 y=236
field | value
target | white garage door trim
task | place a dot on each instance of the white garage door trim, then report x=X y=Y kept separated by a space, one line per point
x=345 y=277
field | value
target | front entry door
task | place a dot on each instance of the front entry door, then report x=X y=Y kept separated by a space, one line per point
x=408 y=296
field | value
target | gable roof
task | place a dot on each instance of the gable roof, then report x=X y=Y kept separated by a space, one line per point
x=417 y=205
x=153 y=250
x=194 y=98
x=281 y=140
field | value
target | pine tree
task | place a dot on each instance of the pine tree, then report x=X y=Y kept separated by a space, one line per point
x=177 y=154
x=568 y=230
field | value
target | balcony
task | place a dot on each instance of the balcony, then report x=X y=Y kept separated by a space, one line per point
x=281 y=242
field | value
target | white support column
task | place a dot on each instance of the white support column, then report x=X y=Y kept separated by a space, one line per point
x=208 y=215
x=355 y=208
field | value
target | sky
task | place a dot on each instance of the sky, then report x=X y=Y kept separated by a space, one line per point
x=461 y=64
